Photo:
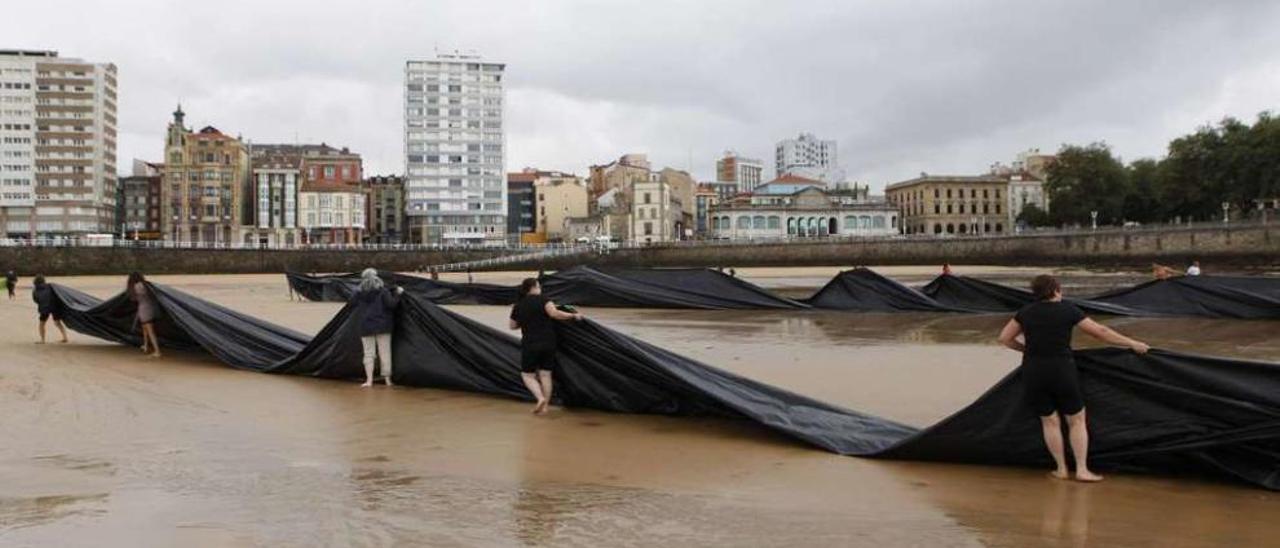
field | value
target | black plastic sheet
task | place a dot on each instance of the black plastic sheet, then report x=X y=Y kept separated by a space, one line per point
x=692 y=288
x=856 y=290
x=1163 y=413
x=973 y=294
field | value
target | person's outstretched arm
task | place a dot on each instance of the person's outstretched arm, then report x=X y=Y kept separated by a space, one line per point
x=557 y=314
x=1009 y=336
x=1106 y=334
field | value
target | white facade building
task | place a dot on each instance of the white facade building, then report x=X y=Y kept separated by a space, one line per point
x=455 y=158
x=809 y=157
x=656 y=212
x=745 y=174
x=57 y=145
x=1024 y=190
x=790 y=207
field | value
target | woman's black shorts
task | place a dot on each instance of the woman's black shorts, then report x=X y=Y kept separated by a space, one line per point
x=534 y=359
x=1052 y=384
x=44 y=316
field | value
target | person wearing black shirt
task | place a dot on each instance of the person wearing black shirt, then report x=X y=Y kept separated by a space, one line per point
x=11 y=282
x=1049 y=370
x=534 y=315
x=47 y=307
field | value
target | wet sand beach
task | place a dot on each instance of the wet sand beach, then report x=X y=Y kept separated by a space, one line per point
x=107 y=448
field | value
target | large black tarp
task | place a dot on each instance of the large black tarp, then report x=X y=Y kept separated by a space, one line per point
x=967 y=293
x=1164 y=412
x=694 y=288
x=864 y=290
x=340 y=287
x=856 y=290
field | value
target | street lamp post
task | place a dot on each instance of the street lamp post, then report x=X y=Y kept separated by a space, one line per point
x=1093 y=215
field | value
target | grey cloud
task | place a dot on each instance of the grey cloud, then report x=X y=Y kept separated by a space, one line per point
x=904 y=86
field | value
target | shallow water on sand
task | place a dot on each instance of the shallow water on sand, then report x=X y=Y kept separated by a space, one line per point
x=105 y=447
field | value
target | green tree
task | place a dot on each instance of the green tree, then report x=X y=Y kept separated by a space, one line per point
x=1085 y=179
x=1142 y=201
x=1032 y=215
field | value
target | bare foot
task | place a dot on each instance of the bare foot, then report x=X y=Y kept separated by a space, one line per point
x=144 y=348
x=64 y=341
x=156 y=355
x=1087 y=476
x=1060 y=474
x=537 y=408
x=366 y=384
x=388 y=380
x=39 y=342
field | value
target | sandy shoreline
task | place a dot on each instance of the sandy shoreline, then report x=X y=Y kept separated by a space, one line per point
x=108 y=448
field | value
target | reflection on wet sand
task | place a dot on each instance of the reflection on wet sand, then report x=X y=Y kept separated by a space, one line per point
x=104 y=448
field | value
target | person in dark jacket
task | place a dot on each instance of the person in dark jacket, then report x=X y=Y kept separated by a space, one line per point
x=47 y=307
x=1050 y=378
x=533 y=315
x=375 y=308
x=11 y=282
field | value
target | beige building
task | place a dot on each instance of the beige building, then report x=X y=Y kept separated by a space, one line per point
x=557 y=198
x=951 y=204
x=57 y=145
x=657 y=215
x=333 y=213
x=203 y=186
x=619 y=174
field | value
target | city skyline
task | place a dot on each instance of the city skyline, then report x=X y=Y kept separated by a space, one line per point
x=981 y=84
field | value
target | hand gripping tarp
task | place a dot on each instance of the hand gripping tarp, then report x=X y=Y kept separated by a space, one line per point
x=1164 y=412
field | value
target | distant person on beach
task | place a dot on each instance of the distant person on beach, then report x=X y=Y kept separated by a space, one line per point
x=47 y=307
x=1194 y=269
x=11 y=282
x=946 y=269
x=375 y=307
x=533 y=315
x=1162 y=272
x=733 y=273
x=1049 y=371
x=435 y=274
x=469 y=279
x=136 y=289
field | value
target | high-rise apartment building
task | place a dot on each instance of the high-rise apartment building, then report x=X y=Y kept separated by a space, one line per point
x=455 y=185
x=138 y=202
x=745 y=173
x=809 y=157
x=57 y=145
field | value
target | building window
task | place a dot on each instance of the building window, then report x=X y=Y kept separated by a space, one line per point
x=648 y=229
x=647 y=198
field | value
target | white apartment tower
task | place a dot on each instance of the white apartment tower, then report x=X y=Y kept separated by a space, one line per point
x=809 y=157
x=455 y=158
x=57 y=145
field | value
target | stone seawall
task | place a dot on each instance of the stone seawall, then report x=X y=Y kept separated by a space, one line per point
x=1240 y=246
x=67 y=261
x=1244 y=245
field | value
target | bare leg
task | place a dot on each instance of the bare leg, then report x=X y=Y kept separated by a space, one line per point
x=1053 y=440
x=149 y=333
x=1079 y=432
x=531 y=382
x=545 y=377
x=41 y=330
x=61 y=329
x=370 y=350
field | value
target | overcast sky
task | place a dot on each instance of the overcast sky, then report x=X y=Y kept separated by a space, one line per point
x=904 y=86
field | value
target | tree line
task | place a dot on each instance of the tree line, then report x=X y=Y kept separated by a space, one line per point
x=1230 y=162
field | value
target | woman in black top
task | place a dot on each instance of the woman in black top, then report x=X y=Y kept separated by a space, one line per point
x=533 y=315
x=375 y=308
x=1049 y=370
x=47 y=307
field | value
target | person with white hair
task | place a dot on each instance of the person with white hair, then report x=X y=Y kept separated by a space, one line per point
x=375 y=307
